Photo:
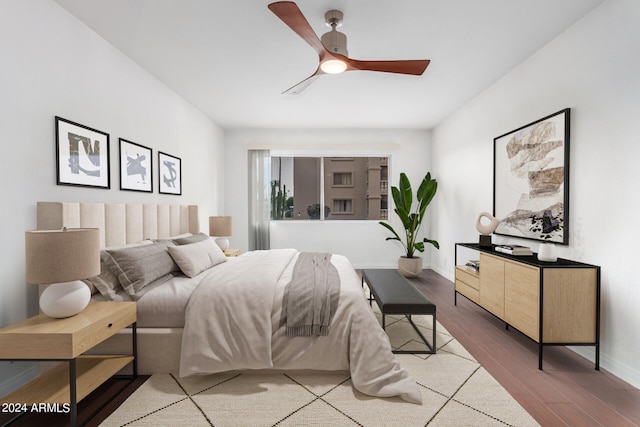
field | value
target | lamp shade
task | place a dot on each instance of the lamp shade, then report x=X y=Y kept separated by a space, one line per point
x=220 y=226
x=333 y=66
x=62 y=255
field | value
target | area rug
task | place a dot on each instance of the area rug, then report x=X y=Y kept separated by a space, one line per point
x=456 y=391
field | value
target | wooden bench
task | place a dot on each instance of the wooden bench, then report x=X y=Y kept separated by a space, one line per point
x=395 y=295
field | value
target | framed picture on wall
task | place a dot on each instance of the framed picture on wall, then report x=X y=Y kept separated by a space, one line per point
x=531 y=180
x=169 y=174
x=82 y=155
x=135 y=167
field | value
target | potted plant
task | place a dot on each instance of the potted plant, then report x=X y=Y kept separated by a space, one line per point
x=411 y=265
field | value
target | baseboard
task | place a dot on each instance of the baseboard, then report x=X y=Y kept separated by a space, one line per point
x=620 y=370
x=447 y=273
x=18 y=380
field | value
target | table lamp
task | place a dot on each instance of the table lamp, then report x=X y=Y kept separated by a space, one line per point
x=220 y=226
x=60 y=259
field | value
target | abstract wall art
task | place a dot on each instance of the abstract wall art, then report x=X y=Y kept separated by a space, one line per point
x=170 y=174
x=82 y=155
x=531 y=180
x=135 y=167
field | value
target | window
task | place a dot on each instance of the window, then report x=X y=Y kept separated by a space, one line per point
x=343 y=179
x=341 y=206
x=295 y=188
x=347 y=188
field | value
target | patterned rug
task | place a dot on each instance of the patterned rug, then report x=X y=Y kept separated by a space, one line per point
x=456 y=391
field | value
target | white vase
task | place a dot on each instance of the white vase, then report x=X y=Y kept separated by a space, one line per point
x=547 y=252
x=409 y=267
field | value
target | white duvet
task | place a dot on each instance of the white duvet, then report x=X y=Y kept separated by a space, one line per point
x=232 y=320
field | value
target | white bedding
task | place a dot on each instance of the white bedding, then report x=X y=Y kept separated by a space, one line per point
x=163 y=306
x=232 y=320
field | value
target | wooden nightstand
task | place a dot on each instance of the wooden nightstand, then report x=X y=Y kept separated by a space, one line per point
x=232 y=252
x=41 y=338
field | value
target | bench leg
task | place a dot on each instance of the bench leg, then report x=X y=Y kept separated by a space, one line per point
x=431 y=347
x=433 y=339
x=370 y=294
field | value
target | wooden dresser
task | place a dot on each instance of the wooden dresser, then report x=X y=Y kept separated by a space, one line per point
x=553 y=303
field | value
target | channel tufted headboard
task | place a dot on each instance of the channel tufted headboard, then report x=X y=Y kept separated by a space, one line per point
x=120 y=223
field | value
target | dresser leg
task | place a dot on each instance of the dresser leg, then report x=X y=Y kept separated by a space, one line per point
x=540 y=346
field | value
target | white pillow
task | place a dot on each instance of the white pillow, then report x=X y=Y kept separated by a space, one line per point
x=194 y=258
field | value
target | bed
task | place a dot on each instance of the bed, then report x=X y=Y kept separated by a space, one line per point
x=221 y=314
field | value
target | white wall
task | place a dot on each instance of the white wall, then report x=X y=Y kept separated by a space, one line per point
x=54 y=65
x=363 y=242
x=593 y=68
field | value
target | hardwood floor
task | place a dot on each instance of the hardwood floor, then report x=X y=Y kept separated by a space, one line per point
x=569 y=391
x=92 y=410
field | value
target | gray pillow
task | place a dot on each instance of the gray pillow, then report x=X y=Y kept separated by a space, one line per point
x=191 y=239
x=141 y=266
x=106 y=282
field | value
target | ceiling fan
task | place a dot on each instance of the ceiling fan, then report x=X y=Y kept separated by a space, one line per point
x=332 y=47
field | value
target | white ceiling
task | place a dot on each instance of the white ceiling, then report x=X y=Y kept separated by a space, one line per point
x=233 y=59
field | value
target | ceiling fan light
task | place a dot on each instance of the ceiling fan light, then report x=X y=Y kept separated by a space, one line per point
x=333 y=66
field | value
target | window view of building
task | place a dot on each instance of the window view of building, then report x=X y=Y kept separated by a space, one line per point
x=348 y=188
x=342 y=206
x=343 y=179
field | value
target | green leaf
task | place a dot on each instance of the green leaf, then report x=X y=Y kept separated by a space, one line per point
x=433 y=242
x=404 y=217
x=427 y=191
x=390 y=228
x=405 y=192
x=423 y=186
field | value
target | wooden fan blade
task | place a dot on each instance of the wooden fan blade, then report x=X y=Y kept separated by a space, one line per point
x=414 y=67
x=291 y=15
x=298 y=88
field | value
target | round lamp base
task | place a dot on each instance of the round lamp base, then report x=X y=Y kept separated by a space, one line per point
x=223 y=243
x=65 y=299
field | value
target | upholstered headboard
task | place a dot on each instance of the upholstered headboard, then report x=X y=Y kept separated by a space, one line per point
x=120 y=223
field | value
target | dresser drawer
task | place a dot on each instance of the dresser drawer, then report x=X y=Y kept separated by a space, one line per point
x=470 y=279
x=109 y=319
x=468 y=291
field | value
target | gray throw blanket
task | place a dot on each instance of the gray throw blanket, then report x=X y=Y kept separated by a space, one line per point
x=311 y=298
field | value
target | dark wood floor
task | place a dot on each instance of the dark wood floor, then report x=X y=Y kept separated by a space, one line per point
x=569 y=391
x=92 y=410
